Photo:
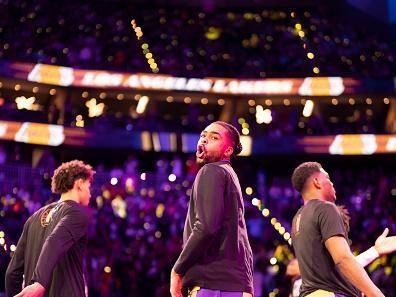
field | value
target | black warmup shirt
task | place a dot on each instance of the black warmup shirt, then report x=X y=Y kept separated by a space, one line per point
x=216 y=251
x=50 y=251
x=313 y=224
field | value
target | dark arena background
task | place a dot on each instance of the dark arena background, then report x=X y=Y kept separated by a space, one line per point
x=127 y=86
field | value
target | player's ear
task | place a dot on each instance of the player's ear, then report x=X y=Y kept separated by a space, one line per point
x=316 y=182
x=78 y=184
x=229 y=151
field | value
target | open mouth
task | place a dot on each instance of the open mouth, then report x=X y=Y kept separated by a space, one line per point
x=200 y=151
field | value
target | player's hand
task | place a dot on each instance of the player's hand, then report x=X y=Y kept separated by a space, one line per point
x=292 y=269
x=176 y=284
x=385 y=245
x=33 y=290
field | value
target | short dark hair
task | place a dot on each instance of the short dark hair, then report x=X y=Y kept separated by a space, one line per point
x=234 y=136
x=303 y=172
x=66 y=174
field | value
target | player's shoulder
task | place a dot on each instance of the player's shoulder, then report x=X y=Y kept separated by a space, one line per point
x=70 y=206
x=319 y=206
x=327 y=208
x=40 y=213
x=215 y=168
x=327 y=204
x=43 y=209
x=75 y=212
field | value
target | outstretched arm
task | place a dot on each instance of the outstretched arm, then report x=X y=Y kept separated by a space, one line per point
x=383 y=245
x=349 y=267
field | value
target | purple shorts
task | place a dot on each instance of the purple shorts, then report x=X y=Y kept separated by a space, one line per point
x=216 y=293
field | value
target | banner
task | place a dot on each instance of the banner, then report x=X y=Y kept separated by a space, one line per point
x=309 y=86
x=33 y=133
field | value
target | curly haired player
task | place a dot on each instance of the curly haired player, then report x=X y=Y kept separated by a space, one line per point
x=49 y=254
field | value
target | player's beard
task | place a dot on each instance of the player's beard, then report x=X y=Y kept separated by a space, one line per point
x=208 y=159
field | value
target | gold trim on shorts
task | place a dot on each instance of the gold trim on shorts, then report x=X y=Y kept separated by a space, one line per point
x=194 y=291
x=321 y=293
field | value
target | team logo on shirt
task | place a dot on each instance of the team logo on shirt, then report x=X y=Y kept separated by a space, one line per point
x=44 y=219
x=297 y=225
x=46 y=216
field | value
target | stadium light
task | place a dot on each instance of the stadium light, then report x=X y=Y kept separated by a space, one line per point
x=308 y=108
